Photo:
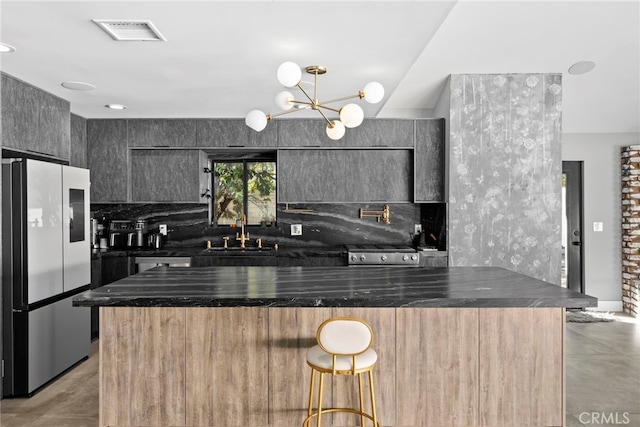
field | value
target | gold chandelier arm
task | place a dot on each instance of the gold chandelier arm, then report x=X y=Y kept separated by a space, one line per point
x=328 y=108
x=282 y=113
x=305 y=93
x=359 y=95
x=325 y=117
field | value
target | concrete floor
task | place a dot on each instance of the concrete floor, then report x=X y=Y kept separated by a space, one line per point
x=603 y=383
x=603 y=373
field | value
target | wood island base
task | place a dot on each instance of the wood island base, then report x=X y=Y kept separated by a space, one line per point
x=241 y=366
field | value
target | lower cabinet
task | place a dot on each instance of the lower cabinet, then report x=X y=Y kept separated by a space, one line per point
x=106 y=270
x=238 y=366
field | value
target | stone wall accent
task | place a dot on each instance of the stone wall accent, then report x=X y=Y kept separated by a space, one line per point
x=630 y=160
x=505 y=173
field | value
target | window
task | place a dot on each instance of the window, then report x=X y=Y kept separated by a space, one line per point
x=244 y=188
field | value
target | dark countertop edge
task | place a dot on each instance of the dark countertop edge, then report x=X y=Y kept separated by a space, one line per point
x=194 y=252
x=200 y=301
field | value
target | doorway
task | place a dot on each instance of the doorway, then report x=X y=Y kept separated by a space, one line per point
x=572 y=227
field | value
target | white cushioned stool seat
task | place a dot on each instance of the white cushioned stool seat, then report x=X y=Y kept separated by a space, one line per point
x=343 y=348
x=321 y=359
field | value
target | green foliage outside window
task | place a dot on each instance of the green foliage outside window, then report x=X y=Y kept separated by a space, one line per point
x=244 y=188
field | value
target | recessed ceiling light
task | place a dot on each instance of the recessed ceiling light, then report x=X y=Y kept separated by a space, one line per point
x=78 y=85
x=6 y=48
x=582 y=67
x=116 y=106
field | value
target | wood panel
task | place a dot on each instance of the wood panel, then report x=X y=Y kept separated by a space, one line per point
x=521 y=366
x=165 y=176
x=437 y=366
x=227 y=373
x=107 y=160
x=291 y=332
x=345 y=388
x=142 y=360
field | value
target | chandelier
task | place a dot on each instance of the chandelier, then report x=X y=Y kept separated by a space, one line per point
x=289 y=75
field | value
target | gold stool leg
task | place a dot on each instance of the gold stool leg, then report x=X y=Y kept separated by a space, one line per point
x=319 y=398
x=361 y=399
x=373 y=402
x=313 y=376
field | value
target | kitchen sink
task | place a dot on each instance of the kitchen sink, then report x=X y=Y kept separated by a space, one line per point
x=237 y=249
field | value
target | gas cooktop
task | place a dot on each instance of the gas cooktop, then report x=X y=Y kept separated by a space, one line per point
x=374 y=247
x=382 y=254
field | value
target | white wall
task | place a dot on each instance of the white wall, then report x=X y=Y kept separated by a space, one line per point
x=602 y=251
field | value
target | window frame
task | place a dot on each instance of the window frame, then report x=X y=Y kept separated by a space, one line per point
x=245 y=159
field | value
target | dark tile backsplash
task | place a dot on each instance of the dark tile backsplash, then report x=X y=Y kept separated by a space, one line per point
x=327 y=225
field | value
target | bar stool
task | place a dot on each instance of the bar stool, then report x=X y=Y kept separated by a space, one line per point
x=344 y=348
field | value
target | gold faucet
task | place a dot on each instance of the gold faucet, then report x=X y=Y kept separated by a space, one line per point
x=384 y=214
x=259 y=242
x=226 y=240
x=242 y=237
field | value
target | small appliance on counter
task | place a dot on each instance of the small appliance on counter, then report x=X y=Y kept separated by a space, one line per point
x=126 y=233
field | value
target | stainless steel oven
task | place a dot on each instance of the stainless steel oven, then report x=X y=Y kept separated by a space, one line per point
x=380 y=255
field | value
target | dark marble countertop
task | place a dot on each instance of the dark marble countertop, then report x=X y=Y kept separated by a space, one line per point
x=290 y=251
x=332 y=287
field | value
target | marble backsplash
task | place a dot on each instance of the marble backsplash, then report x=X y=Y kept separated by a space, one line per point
x=327 y=224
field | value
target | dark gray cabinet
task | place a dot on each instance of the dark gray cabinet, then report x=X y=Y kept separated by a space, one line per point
x=165 y=176
x=162 y=133
x=344 y=176
x=429 y=161
x=304 y=133
x=33 y=120
x=371 y=133
x=381 y=133
x=107 y=160
x=233 y=133
x=78 y=142
x=106 y=270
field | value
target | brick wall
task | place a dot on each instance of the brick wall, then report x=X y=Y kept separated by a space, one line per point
x=630 y=159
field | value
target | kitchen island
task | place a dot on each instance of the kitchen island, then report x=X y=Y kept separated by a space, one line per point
x=225 y=346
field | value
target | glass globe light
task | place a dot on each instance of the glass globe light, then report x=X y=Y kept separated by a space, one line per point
x=256 y=120
x=373 y=92
x=335 y=129
x=289 y=74
x=351 y=115
x=284 y=100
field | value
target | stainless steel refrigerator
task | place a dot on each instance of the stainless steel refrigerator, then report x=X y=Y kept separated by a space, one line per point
x=46 y=260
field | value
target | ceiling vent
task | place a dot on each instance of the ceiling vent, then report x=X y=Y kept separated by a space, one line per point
x=130 y=30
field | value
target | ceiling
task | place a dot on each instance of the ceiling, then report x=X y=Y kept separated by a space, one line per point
x=220 y=57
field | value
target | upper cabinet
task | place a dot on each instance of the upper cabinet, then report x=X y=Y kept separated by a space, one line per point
x=304 y=133
x=344 y=176
x=107 y=160
x=162 y=133
x=233 y=133
x=165 y=176
x=381 y=133
x=78 y=142
x=370 y=134
x=429 y=161
x=33 y=120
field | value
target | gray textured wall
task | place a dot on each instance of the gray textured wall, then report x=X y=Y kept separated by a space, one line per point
x=505 y=173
